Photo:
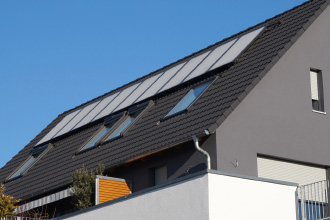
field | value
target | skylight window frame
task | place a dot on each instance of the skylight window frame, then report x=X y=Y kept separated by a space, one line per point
x=113 y=129
x=112 y=122
x=123 y=116
x=210 y=81
x=141 y=108
x=16 y=174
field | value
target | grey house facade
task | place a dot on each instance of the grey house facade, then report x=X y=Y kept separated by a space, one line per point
x=262 y=114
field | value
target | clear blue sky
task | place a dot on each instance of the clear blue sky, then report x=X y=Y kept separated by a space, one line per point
x=55 y=55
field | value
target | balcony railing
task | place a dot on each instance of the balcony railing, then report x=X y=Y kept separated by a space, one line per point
x=313 y=201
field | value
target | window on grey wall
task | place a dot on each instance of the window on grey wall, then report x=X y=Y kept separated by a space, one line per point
x=317 y=90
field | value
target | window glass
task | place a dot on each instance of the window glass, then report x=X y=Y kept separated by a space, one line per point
x=317 y=90
x=189 y=98
x=123 y=126
x=24 y=167
x=108 y=132
x=96 y=137
x=35 y=153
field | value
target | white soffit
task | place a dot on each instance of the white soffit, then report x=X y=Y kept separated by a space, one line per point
x=196 y=66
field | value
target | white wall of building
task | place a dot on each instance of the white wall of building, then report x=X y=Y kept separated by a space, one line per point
x=238 y=198
x=183 y=200
x=209 y=196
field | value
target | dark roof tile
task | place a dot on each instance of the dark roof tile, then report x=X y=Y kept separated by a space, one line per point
x=148 y=134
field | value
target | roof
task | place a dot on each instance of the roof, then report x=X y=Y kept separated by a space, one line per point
x=54 y=170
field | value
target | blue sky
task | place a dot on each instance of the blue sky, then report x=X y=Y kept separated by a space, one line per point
x=55 y=55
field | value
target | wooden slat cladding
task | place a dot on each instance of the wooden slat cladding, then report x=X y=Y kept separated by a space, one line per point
x=111 y=188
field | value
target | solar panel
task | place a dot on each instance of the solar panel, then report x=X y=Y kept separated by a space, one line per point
x=77 y=119
x=130 y=98
x=209 y=60
x=137 y=92
x=160 y=82
x=58 y=127
x=143 y=87
x=102 y=104
x=216 y=54
x=151 y=90
x=185 y=71
x=121 y=97
x=241 y=44
x=172 y=72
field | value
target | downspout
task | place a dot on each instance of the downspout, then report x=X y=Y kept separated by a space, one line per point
x=208 y=158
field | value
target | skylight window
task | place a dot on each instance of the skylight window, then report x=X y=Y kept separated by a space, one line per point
x=92 y=142
x=114 y=126
x=23 y=167
x=35 y=154
x=188 y=99
x=97 y=138
x=118 y=131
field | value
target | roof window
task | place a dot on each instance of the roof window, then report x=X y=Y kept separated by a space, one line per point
x=188 y=99
x=35 y=154
x=97 y=138
x=121 y=128
x=115 y=126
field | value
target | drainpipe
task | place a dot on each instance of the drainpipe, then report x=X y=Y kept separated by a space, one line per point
x=208 y=158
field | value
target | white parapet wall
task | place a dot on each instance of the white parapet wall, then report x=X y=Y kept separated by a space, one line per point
x=181 y=200
x=242 y=198
x=204 y=196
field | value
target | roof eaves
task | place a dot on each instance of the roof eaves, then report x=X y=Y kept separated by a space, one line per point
x=274 y=60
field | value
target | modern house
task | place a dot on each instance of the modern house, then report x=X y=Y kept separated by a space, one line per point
x=236 y=130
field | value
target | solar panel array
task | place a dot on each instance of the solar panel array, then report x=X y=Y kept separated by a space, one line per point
x=180 y=73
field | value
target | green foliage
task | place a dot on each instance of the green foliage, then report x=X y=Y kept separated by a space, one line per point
x=7 y=203
x=84 y=186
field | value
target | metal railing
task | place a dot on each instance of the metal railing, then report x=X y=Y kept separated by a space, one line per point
x=313 y=200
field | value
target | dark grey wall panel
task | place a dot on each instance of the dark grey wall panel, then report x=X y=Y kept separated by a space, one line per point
x=276 y=117
x=179 y=161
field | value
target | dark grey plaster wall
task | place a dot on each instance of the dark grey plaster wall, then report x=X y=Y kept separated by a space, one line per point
x=180 y=160
x=276 y=117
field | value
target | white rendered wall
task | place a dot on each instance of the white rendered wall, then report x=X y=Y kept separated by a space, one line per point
x=183 y=200
x=210 y=196
x=237 y=198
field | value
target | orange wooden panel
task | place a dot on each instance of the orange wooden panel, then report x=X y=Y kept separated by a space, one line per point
x=112 y=189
